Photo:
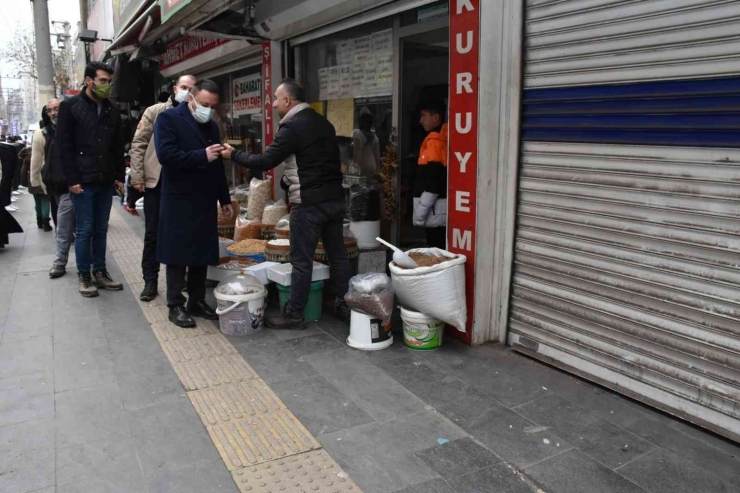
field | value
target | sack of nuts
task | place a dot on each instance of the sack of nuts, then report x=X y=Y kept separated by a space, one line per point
x=260 y=193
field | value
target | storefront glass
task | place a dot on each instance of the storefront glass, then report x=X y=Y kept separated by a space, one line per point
x=349 y=74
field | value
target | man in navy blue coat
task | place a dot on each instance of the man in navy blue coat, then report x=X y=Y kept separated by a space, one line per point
x=193 y=182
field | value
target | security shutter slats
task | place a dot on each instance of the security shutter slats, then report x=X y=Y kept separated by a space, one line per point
x=627 y=297
x=627 y=256
x=583 y=42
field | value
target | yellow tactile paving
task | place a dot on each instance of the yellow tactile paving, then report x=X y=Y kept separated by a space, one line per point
x=258 y=439
x=231 y=402
x=264 y=445
x=132 y=277
x=197 y=348
x=166 y=331
x=308 y=472
x=155 y=314
x=212 y=372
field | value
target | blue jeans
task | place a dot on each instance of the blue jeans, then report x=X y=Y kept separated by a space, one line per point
x=92 y=211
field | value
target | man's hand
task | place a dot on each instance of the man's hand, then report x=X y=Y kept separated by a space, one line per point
x=214 y=152
x=228 y=150
x=228 y=210
x=76 y=189
x=140 y=188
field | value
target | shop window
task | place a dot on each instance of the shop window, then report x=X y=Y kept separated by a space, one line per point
x=425 y=13
x=349 y=74
x=245 y=129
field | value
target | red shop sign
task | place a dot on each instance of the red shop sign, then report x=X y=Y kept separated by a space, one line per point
x=267 y=93
x=186 y=48
x=463 y=141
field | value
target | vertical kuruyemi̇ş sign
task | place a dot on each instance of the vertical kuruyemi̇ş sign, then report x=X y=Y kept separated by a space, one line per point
x=267 y=102
x=463 y=139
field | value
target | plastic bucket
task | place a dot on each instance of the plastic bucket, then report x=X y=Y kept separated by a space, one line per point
x=240 y=315
x=366 y=232
x=368 y=333
x=420 y=332
x=312 y=312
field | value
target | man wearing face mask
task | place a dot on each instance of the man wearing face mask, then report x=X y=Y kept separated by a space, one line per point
x=89 y=146
x=145 y=174
x=193 y=181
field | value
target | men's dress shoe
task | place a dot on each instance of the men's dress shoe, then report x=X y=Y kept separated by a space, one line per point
x=202 y=310
x=149 y=292
x=180 y=317
x=342 y=311
x=57 y=271
x=286 y=321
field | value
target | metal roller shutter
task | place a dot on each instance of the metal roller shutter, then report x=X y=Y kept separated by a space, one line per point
x=627 y=263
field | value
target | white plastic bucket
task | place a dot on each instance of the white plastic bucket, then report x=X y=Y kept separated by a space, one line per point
x=366 y=232
x=368 y=333
x=240 y=315
x=421 y=332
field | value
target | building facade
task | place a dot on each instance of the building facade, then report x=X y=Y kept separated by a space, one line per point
x=593 y=181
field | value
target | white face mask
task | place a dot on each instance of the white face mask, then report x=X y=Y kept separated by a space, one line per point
x=201 y=113
x=181 y=96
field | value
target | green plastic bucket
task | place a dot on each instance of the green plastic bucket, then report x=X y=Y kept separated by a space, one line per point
x=420 y=332
x=312 y=312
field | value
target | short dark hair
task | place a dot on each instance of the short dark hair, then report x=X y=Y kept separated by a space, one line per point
x=295 y=89
x=92 y=69
x=205 y=85
x=366 y=121
x=435 y=107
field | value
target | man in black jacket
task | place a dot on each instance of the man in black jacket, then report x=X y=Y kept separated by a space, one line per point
x=89 y=146
x=307 y=143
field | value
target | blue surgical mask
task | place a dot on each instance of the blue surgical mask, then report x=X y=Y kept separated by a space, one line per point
x=201 y=113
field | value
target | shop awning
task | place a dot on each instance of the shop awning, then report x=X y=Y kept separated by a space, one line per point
x=130 y=37
x=278 y=20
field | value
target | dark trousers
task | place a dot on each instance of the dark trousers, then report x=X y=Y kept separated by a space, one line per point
x=308 y=224
x=178 y=277
x=149 y=264
x=437 y=238
x=54 y=208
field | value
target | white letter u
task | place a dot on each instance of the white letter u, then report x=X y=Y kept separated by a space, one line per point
x=469 y=45
x=468 y=122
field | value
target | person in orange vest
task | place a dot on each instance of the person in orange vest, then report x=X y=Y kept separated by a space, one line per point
x=430 y=186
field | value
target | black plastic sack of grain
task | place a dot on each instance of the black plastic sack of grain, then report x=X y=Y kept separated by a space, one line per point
x=364 y=203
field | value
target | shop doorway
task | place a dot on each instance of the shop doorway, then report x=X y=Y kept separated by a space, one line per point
x=424 y=76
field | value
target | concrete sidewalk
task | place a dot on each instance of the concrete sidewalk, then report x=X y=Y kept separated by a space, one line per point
x=90 y=402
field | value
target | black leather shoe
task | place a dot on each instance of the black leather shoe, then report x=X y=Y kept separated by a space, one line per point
x=149 y=292
x=286 y=321
x=57 y=271
x=202 y=310
x=180 y=317
x=342 y=311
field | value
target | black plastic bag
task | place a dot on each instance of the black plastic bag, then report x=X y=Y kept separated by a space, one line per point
x=364 y=203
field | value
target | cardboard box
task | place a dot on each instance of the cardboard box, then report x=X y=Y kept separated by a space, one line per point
x=281 y=273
